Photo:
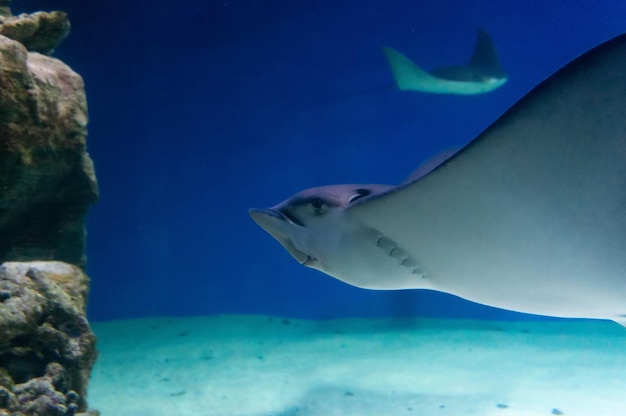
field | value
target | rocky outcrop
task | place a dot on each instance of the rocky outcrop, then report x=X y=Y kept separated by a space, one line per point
x=38 y=32
x=47 y=180
x=47 y=348
x=5 y=10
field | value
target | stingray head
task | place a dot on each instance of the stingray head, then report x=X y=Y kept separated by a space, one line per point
x=310 y=224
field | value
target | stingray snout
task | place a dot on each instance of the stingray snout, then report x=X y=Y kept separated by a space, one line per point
x=279 y=226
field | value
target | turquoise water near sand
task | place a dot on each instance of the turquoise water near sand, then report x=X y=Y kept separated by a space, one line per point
x=269 y=366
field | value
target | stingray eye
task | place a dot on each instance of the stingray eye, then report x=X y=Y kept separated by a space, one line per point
x=317 y=203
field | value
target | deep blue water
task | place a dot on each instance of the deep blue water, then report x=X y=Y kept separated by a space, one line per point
x=200 y=110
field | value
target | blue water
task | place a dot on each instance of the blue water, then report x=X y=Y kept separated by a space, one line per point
x=200 y=110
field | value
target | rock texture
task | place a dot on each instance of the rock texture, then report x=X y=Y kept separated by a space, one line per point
x=47 y=348
x=5 y=10
x=38 y=32
x=47 y=180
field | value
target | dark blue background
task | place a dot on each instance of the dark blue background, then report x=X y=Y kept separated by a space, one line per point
x=202 y=109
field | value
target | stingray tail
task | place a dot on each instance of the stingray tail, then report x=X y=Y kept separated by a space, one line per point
x=485 y=55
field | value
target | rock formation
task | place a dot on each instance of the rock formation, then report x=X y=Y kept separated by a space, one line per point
x=38 y=32
x=47 y=349
x=47 y=180
x=47 y=183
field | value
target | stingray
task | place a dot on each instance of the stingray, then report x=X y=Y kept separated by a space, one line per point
x=530 y=216
x=482 y=73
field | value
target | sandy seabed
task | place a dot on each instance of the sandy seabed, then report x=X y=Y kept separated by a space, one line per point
x=266 y=366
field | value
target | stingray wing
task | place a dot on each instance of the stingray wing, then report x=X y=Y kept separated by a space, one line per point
x=536 y=203
x=409 y=76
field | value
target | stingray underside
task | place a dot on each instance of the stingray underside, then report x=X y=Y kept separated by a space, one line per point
x=531 y=215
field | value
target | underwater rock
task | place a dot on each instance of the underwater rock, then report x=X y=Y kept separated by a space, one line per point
x=47 y=179
x=39 y=32
x=5 y=10
x=47 y=348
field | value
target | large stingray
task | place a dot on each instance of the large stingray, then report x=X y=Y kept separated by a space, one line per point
x=481 y=74
x=530 y=216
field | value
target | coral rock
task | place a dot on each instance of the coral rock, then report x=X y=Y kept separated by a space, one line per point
x=38 y=32
x=47 y=179
x=5 y=10
x=47 y=348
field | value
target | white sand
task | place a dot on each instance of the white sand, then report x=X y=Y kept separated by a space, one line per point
x=253 y=366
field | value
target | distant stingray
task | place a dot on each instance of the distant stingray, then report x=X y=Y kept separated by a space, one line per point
x=482 y=73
